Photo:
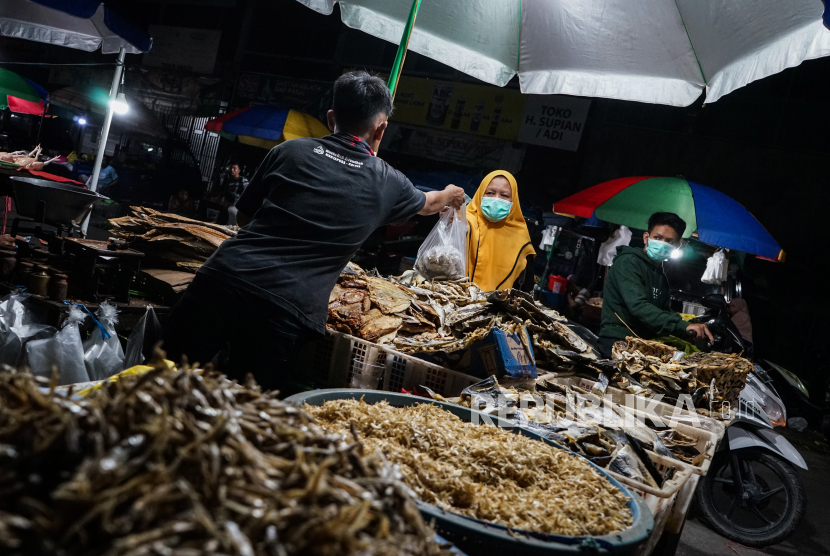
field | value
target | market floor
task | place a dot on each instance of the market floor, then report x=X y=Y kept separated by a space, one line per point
x=813 y=535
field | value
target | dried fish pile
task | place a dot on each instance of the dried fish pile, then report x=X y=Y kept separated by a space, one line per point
x=604 y=433
x=649 y=369
x=182 y=463
x=416 y=315
x=169 y=238
x=483 y=471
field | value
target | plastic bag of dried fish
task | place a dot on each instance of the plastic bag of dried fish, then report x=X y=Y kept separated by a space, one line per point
x=64 y=351
x=443 y=255
x=104 y=357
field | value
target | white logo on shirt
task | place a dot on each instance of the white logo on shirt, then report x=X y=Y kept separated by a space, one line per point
x=319 y=149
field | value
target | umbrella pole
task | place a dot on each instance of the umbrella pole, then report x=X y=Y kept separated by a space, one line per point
x=395 y=74
x=105 y=131
x=40 y=125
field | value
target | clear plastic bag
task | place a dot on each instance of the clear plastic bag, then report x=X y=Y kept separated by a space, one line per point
x=144 y=337
x=104 y=356
x=63 y=351
x=716 y=268
x=443 y=255
x=18 y=325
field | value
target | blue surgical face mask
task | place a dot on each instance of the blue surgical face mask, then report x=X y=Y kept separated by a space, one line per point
x=659 y=250
x=495 y=209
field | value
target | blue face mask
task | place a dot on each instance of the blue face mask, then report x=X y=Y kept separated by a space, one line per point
x=494 y=209
x=659 y=251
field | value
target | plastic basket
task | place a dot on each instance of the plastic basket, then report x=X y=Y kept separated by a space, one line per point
x=334 y=360
x=480 y=537
x=707 y=431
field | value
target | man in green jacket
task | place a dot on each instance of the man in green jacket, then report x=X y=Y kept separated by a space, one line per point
x=637 y=298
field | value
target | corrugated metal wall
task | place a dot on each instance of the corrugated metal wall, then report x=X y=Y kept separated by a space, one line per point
x=203 y=144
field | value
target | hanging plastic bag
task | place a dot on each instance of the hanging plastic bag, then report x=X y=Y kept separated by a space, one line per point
x=608 y=249
x=443 y=255
x=63 y=351
x=716 y=268
x=103 y=354
x=144 y=337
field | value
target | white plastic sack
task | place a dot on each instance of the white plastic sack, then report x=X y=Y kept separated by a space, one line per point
x=608 y=250
x=17 y=326
x=443 y=255
x=145 y=335
x=63 y=351
x=104 y=357
x=717 y=268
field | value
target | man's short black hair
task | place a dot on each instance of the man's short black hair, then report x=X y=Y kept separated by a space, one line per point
x=358 y=99
x=667 y=219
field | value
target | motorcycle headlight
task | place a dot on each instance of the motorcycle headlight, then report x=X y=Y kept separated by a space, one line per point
x=758 y=392
x=773 y=408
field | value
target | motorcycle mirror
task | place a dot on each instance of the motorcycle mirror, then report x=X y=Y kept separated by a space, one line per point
x=714 y=301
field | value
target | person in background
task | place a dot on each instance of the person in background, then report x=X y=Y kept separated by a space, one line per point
x=739 y=313
x=107 y=177
x=577 y=296
x=234 y=181
x=637 y=299
x=181 y=203
x=310 y=206
x=499 y=249
x=227 y=215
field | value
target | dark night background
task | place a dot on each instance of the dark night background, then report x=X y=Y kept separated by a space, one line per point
x=766 y=145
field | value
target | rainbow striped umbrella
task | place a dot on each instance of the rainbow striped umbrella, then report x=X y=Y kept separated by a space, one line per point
x=22 y=95
x=717 y=218
x=266 y=126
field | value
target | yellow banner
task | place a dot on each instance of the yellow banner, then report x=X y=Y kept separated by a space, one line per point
x=460 y=107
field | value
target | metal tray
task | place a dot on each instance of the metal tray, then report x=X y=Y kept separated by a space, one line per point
x=53 y=202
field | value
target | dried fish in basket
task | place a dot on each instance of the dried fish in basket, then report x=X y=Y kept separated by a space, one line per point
x=184 y=463
x=482 y=471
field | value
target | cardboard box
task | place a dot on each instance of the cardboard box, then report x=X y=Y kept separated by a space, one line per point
x=498 y=354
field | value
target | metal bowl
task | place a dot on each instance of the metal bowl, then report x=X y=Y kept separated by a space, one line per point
x=49 y=201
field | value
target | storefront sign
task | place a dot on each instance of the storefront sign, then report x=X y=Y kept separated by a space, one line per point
x=464 y=150
x=554 y=121
x=260 y=88
x=480 y=110
x=183 y=49
x=493 y=112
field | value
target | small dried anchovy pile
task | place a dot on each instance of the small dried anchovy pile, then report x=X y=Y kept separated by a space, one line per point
x=483 y=471
x=182 y=463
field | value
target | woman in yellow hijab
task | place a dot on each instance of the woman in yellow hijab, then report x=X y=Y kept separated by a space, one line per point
x=498 y=243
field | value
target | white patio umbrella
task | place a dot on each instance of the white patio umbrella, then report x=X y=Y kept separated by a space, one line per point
x=82 y=24
x=656 y=51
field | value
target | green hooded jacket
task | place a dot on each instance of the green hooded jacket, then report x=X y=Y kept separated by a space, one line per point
x=638 y=291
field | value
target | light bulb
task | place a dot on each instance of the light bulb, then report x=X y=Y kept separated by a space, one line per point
x=119 y=105
x=82 y=121
x=677 y=253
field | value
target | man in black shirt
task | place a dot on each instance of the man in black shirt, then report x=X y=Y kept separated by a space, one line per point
x=313 y=203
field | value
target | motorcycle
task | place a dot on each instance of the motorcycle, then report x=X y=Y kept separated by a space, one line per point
x=752 y=494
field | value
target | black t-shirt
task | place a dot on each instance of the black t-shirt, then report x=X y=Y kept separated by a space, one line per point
x=314 y=201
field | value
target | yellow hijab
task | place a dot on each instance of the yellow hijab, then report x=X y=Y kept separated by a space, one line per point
x=496 y=251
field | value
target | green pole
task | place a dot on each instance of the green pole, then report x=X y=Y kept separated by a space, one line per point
x=394 y=77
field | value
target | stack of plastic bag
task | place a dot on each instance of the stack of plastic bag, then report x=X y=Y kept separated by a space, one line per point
x=17 y=327
x=103 y=354
x=142 y=340
x=63 y=351
x=717 y=268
